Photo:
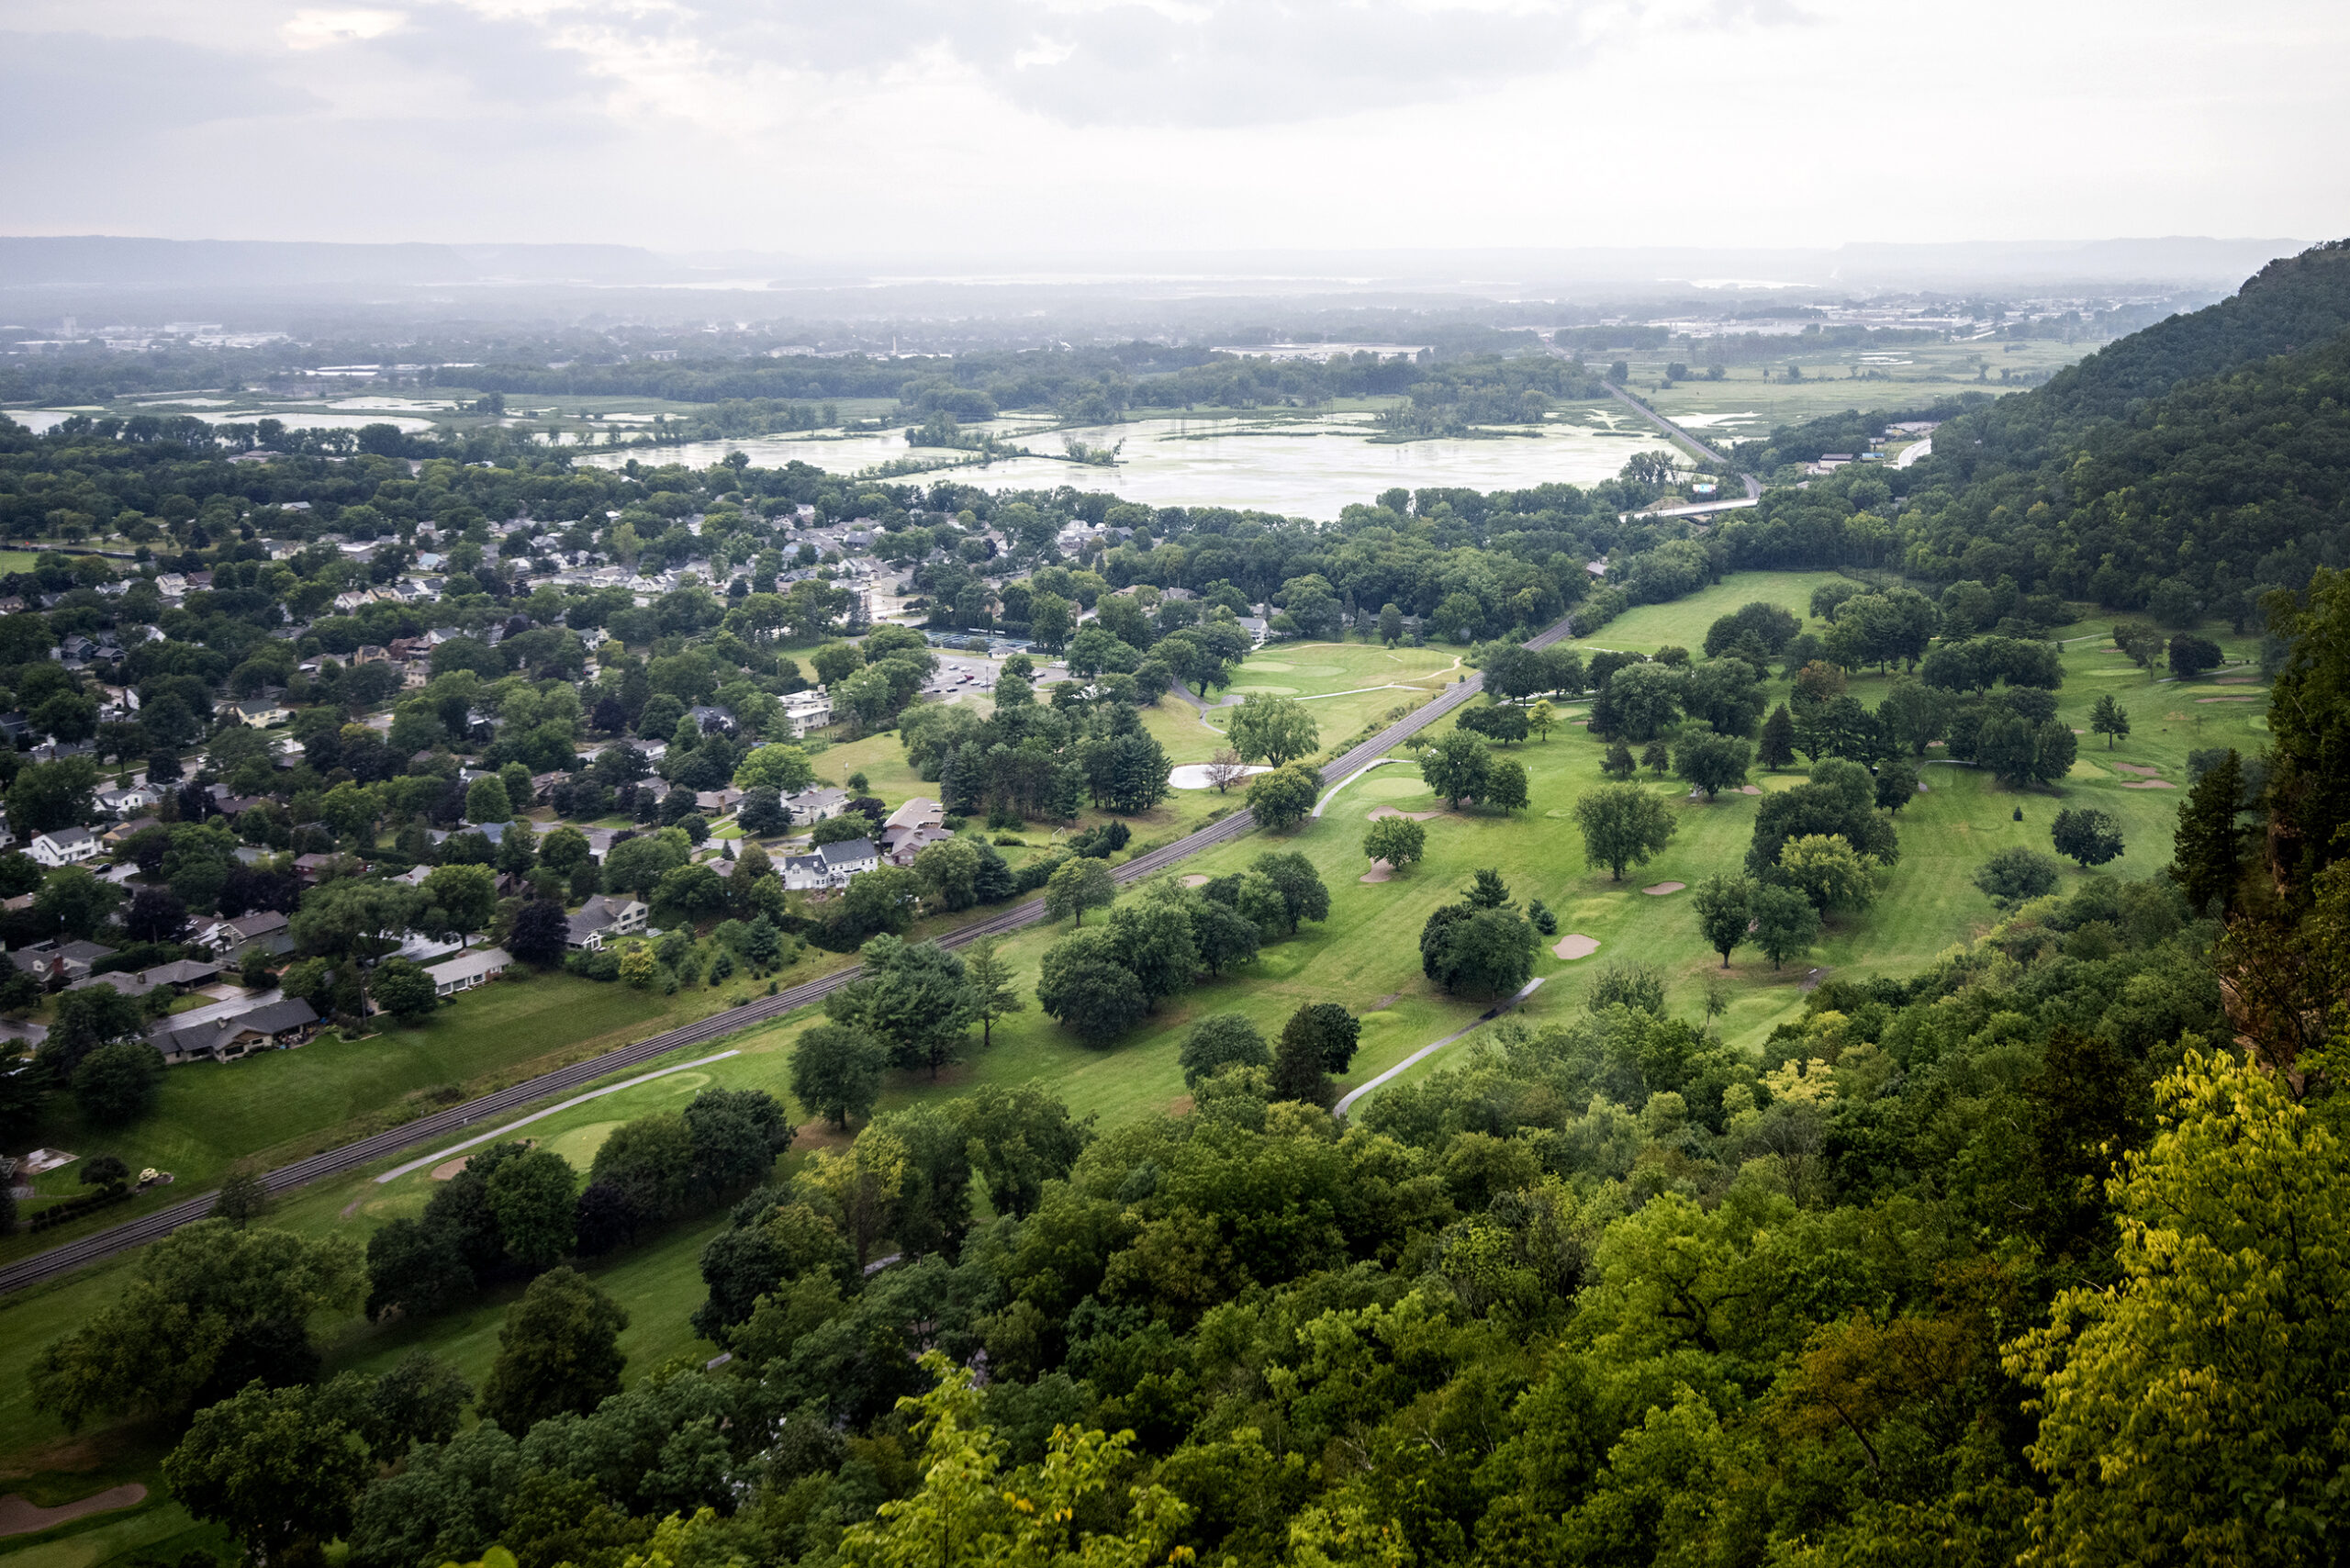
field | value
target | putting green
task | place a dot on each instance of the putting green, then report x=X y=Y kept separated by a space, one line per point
x=1390 y=786
x=578 y=1146
x=1268 y=691
x=1269 y=664
x=1311 y=670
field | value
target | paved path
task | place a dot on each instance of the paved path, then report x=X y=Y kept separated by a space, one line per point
x=396 y=1172
x=103 y=1244
x=1340 y=1109
x=19 y=1516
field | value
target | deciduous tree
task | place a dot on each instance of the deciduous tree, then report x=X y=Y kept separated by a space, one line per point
x=1623 y=825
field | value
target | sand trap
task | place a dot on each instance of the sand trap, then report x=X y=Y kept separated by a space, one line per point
x=2150 y=784
x=1380 y=871
x=2141 y=769
x=1194 y=775
x=2227 y=700
x=1196 y=880
x=1662 y=889
x=2234 y=679
x=447 y=1169
x=19 y=1517
x=1576 y=947
x=1377 y=812
x=1750 y=789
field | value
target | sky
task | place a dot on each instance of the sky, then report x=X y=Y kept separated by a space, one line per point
x=1036 y=128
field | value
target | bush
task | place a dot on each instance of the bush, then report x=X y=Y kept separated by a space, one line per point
x=604 y=965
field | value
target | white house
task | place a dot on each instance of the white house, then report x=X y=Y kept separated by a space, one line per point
x=816 y=804
x=829 y=866
x=261 y=712
x=602 y=919
x=806 y=710
x=64 y=846
x=128 y=802
x=468 y=970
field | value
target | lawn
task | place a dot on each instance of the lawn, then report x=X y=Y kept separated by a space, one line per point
x=1683 y=622
x=1363 y=956
x=280 y=1106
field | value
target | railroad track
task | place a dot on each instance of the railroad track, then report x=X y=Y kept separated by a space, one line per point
x=104 y=1244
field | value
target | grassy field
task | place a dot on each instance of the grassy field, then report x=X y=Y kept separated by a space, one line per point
x=1363 y=956
x=280 y=1106
x=1919 y=375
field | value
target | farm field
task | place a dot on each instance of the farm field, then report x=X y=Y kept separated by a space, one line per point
x=1364 y=956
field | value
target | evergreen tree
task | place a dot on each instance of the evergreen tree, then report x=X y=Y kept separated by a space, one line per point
x=1777 y=748
x=2208 y=849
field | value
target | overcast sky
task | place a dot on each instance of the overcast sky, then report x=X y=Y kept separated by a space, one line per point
x=1018 y=126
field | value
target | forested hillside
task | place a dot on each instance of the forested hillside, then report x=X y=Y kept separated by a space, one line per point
x=2190 y=469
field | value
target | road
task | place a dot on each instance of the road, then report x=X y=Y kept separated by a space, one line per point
x=104 y=1244
x=1753 y=485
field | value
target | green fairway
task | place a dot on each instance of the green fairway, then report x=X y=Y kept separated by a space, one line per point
x=1682 y=623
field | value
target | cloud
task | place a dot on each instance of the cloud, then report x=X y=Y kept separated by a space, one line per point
x=1189 y=63
x=69 y=92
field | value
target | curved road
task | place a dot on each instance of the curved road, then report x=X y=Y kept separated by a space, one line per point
x=105 y=1243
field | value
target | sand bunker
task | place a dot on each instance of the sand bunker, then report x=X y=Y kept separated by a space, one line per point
x=2234 y=679
x=19 y=1517
x=1750 y=789
x=1196 y=880
x=1380 y=811
x=1380 y=871
x=1660 y=889
x=2150 y=784
x=2140 y=769
x=1573 y=946
x=448 y=1171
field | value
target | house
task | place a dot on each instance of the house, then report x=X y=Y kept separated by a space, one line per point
x=717 y=801
x=130 y=985
x=122 y=830
x=229 y=1030
x=261 y=712
x=1258 y=628
x=181 y=973
x=910 y=828
x=829 y=866
x=55 y=963
x=806 y=710
x=605 y=918
x=65 y=846
x=128 y=802
x=313 y=869
x=816 y=804
x=468 y=970
x=372 y=654
x=226 y=938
